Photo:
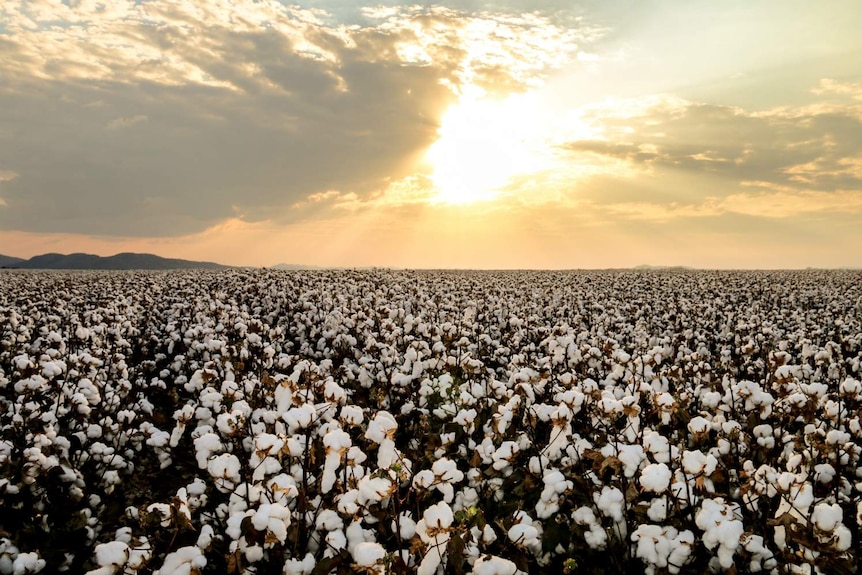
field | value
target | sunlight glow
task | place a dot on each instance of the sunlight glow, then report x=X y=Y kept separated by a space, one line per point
x=483 y=143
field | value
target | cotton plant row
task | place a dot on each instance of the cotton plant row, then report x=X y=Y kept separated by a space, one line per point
x=430 y=422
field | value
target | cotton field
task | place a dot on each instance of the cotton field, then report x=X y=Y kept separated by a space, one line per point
x=430 y=422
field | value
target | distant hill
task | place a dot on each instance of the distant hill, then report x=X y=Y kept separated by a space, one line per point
x=295 y=267
x=6 y=261
x=647 y=267
x=124 y=261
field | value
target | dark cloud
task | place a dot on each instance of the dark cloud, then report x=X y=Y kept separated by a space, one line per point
x=164 y=120
x=814 y=148
x=140 y=157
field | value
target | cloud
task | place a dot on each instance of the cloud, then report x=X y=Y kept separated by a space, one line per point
x=829 y=86
x=809 y=151
x=216 y=109
x=125 y=122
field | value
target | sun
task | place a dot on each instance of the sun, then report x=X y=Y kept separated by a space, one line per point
x=483 y=143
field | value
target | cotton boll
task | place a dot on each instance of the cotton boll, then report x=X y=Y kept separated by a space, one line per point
x=722 y=529
x=504 y=455
x=336 y=442
x=493 y=565
x=206 y=537
x=302 y=566
x=183 y=561
x=335 y=540
x=224 y=469
x=405 y=525
x=205 y=446
x=367 y=554
x=254 y=553
x=655 y=477
x=26 y=563
x=113 y=554
x=827 y=517
x=352 y=415
x=610 y=502
x=657 y=445
x=272 y=519
x=524 y=535
x=328 y=520
x=382 y=427
x=657 y=510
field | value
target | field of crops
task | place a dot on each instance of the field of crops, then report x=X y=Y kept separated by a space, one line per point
x=430 y=422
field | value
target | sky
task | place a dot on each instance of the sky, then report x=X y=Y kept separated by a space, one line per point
x=464 y=134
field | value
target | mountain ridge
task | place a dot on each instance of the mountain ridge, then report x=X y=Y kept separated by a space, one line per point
x=6 y=261
x=121 y=261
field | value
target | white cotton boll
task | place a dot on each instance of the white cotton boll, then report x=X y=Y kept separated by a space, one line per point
x=374 y=489
x=162 y=511
x=356 y=535
x=206 y=537
x=657 y=510
x=761 y=557
x=183 y=561
x=658 y=445
x=524 y=535
x=493 y=565
x=382 y=427
x=503 y=456
x=352 y=415
x=253 y=553
x=793 y=462
x=556 y=485
x=697 y=463
x=26 y=563
x=233 y=527
x=113 y=554
x=205 y=446
x=273 y=519
x=610 y=502
x=336 y=442
x=298 y=418
x=596 y=537
x=465 y=417
x=827 y=517
x=224 y=469
x=267 y=444
x=335 y=540
x=655 y=477
x=348 y=503
x=302 y=566
x=561 y=436
x=698 y=425
x=437 y=516
x=843 y=539
x=328 y=520
x=631 y=456
x=722 y=529
x=446 y=470
x=424 y=479
x=405 y=525
x=710 y=399
x=333 y=392
x=433 y=556
x=837 y=437
x=387 y=455
x=584 y=516
x=367 y=554
x=652 y=546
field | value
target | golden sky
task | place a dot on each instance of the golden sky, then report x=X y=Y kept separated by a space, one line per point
x=531 y=134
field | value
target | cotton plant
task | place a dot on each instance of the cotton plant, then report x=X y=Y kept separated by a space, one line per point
x=330 y=416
